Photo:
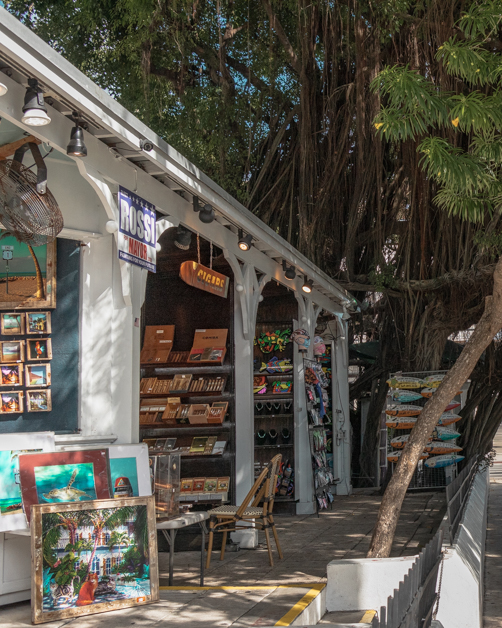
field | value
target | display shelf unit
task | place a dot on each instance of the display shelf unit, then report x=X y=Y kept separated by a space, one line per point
x=275 y=313
x=170 y=301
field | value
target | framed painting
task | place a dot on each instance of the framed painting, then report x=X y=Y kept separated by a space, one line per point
x=39 y=400
x=11 y=402
x=39 y=349
x=129 y=471
x=28 y=280
x=12 y=446
x=11 y=351
x=11 y=374
x=93 y=557
x=36 y=375
x=38 y=323
x=64 y=476
x=12 y=323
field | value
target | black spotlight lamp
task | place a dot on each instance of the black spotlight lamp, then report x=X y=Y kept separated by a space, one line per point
x=183 y=238
x=34 y=109
x=245 y=241
x=206 y=212
x=76 y=146
x=308 y=285
x=289 y=273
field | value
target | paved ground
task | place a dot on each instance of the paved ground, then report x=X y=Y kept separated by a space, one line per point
x=493 y=561
x=244 y=590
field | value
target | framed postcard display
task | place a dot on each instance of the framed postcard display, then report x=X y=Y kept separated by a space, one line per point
x=36 y=375
x=64 y=585
x=11 y=375
x=64 y=476
x=39 y=349
x=11 y=446
x=38 y=322
x=12 y=323
x=29 y=287
x=39 y=400
x=11 y=402
x=11 y=351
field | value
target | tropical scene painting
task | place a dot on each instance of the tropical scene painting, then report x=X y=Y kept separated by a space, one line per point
x=10 y=485
x=24 y=276
x=11 y=375
x=65 y=483
x=37 y=374
x=95 y=556
x=124 y=476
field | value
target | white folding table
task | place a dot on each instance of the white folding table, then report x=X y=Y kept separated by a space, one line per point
x=170 y=528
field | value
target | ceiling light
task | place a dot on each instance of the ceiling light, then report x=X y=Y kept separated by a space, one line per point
x=76 y=146
x=183 y=238
x=34 y=109
x=206 y=213
x=3 y=89
x=245 y=241
x=308 y=285
x=289 y=273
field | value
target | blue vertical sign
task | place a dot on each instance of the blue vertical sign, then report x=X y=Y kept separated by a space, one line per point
x=137 y=238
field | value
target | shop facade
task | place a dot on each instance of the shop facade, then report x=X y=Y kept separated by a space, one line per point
x=100 y=312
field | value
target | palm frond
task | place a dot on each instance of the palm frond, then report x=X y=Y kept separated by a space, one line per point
x=468 y=60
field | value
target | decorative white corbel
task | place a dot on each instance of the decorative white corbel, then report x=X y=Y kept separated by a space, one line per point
x=249 y=289
x=308 y=314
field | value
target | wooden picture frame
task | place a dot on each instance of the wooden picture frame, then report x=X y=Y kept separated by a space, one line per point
x=38 y=323
x=11 y=402
x=38 y=349
x=12 y=323
x=22 y=277
x=39 y=400
x=36 y=375
x=11 y=374
x=47 y=605
x=11 y=351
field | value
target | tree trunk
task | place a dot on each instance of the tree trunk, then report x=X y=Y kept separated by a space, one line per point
x=40 y=294
x=390 y=508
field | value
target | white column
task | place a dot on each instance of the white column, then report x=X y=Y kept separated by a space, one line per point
x=341 y=411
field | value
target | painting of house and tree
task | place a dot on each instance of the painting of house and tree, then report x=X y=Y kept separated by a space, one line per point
x=94 y=559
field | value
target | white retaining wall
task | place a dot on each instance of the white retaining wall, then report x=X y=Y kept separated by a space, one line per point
x=461 y=601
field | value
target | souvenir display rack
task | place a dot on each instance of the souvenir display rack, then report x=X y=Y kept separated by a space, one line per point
x=423 y=476
x=317 y=384
x=200 y=386
x=274 y=413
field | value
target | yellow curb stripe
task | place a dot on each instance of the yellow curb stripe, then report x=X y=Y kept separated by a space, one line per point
x=243 y=588
x=300 y=606
x=367 y=618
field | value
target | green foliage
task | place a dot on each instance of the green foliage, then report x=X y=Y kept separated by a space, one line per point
x=63 y=570
x=132 y=563
x=383 y=278
x=461 y=141
x=489 y=243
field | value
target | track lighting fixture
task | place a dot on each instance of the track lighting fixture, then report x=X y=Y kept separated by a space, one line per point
x=34 y=109
x=289 y=273
x=206 y=213
x=245 y=241
x=308 y=285
x=183 y=238
x=76 y=146
x=3 y=89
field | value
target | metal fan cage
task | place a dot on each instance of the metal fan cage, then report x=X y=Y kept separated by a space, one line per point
x=29 y=216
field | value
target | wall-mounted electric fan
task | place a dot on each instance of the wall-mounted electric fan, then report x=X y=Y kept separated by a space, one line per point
x=28 y=210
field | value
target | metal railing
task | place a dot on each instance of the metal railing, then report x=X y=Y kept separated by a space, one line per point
x=457 y=493
x=412 y=604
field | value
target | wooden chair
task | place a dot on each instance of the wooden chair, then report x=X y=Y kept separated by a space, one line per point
x=226 y=518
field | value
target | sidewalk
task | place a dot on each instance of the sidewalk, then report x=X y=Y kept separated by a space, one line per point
x=243 y=590
x=493 y=571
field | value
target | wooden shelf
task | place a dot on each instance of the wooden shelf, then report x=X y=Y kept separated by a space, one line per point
x=288 y=395
x=187 y=370
x=274 y=446
x=175 y=366
x=273 y=416
x=191 y=395
x=203 y=428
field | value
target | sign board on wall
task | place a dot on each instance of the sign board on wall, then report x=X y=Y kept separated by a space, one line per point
x=137 y=237
x=204 y=278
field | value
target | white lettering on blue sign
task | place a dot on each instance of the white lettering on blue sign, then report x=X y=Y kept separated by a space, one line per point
x=137 y=237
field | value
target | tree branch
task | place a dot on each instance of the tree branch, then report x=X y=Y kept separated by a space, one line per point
x=283 y=38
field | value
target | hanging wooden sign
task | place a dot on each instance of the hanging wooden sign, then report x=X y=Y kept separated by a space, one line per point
x=204 y=278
